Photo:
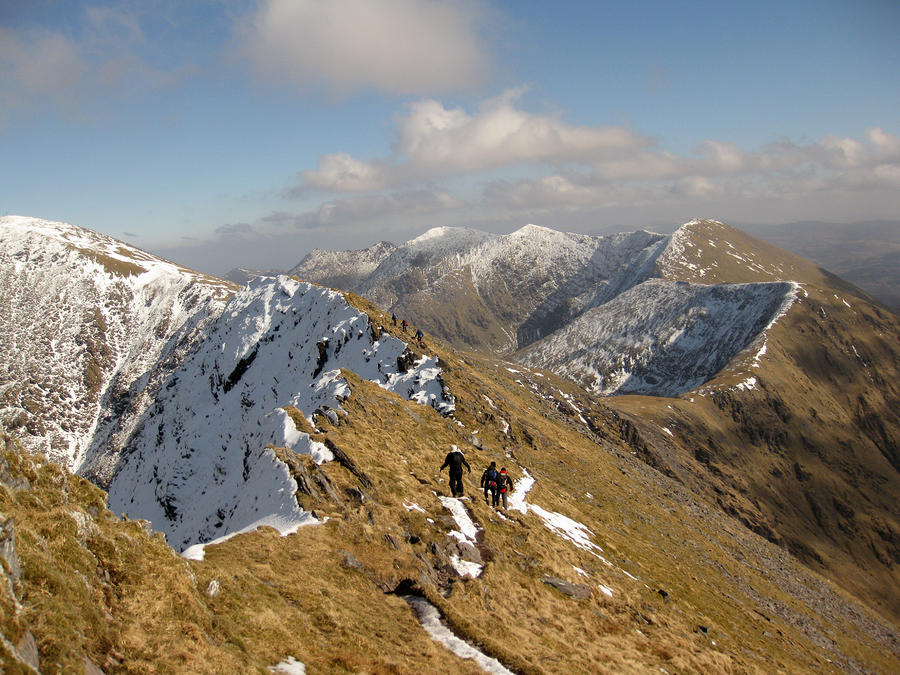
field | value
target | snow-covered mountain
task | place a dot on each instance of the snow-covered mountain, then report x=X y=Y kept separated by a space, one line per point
x=90 y=325
x=146 y=378
x=201 y=465
x=342 y=269
x=601 y=562
x=659 y=337
x=605 y=311
x=498 y=292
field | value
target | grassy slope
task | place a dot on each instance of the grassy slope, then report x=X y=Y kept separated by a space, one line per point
x=809 y=458
x=324 y=595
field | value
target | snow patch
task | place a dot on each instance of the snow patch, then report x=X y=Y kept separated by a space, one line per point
x=430 y=618
x=290 y=666
x=468 y=531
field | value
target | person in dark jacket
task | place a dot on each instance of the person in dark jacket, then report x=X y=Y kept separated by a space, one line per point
x=455 y=460
x=489 y=481
x=504 y=487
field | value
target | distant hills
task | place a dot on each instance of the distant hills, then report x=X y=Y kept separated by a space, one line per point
x=866 y=253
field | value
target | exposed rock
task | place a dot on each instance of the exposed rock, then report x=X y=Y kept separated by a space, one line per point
x=8 y=549
x=577 y=591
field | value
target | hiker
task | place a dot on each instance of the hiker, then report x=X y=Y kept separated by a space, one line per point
x=504 y=486
x=455 y=460
x=420 y=337
x=489 y=481
x=394 y=319
x=403 y=325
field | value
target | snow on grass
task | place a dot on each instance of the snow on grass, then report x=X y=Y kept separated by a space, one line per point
x=468 y=532
x=516 y=499
x=567 y=528
x=285 y=526
x=430 y=618
x=413 y=507
x=747 y=385
x=68 y=291
x=605 y=589
x=290 y=666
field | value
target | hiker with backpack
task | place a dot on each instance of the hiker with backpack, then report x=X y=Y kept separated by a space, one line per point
x=455 y=460
x=504 y=487
x=420 y=337
x=489 y=482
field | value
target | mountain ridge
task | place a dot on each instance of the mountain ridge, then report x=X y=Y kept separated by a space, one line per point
x=808 y=407
x=636 y=536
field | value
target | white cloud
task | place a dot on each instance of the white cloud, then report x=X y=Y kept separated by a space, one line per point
x=718 y=173
x=589 y=168
x=500 y=134
x=883 y=143
x=434 y=141
x=343 y=173
x=395 y=46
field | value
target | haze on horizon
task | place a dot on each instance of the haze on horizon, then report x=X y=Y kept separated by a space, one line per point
x=224 y=133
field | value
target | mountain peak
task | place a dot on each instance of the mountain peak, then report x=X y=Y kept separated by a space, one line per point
x=448 y=236
x=530 y=230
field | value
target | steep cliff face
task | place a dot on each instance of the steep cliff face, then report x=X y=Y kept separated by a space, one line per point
x=87 y=324
x=201 y=465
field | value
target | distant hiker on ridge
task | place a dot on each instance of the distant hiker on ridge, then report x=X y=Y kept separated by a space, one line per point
x=403 y=325
x=489 y=482
x=504 y=486
x=420 y=337
x=394 y=319
x=455 y=460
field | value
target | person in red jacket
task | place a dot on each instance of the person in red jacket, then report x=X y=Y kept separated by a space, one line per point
x=504 y=486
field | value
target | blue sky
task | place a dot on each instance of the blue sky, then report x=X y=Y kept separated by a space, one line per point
x=224 y=132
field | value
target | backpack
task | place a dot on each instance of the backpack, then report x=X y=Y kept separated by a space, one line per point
x=503 y=481
x=491 y=478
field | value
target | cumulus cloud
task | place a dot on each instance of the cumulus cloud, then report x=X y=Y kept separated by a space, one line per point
x=716 y=172
x=585 y=168
x=342 y=173
x=395 y=46
x=500 y=134
x=434 y=141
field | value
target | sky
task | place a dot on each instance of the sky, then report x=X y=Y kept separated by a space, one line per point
x=227 y=133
